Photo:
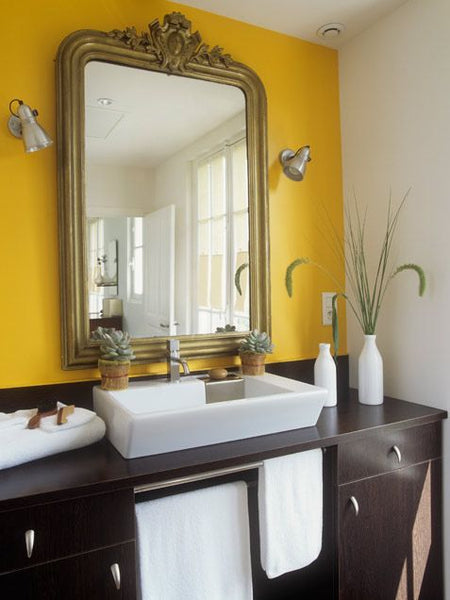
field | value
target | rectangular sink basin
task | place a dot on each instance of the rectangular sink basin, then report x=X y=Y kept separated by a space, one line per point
x=156 y=417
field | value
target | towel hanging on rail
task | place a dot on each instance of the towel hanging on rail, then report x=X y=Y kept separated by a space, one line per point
x=195 y=545
x=290 y=499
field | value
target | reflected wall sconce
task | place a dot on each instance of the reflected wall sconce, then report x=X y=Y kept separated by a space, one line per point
x=23 y=124
x=294 y=163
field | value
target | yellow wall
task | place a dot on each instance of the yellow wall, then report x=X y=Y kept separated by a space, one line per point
x=301 y=81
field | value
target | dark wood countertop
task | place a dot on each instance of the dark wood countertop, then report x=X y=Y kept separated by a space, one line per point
x=100 y=468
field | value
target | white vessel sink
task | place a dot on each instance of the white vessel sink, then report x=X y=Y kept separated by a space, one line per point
x=156 y=417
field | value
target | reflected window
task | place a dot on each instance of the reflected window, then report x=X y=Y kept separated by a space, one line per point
x=221 y=239
x=96 y=233
x=136 y=258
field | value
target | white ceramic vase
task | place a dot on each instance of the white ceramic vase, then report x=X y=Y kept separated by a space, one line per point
x=325 y=373
x=370 y=373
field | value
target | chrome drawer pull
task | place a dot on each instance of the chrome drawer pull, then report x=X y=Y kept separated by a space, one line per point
x=29 y=541
x=355 y=504
x=115 y=570
x=396 y=449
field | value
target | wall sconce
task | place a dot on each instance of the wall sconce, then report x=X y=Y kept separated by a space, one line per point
x=294 y=163
x=23 y=125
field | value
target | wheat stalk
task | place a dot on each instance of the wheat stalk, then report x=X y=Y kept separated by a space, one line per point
x=366 y=296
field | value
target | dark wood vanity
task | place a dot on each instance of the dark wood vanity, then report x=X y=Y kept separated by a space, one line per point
x=115 y=322
x=382 y=509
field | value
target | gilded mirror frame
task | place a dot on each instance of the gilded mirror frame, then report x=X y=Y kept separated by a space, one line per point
x=168 y=48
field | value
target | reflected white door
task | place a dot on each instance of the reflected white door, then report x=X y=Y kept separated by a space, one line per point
x=159 y=271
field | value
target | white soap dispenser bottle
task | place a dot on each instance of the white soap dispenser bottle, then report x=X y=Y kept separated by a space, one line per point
x=325 y=373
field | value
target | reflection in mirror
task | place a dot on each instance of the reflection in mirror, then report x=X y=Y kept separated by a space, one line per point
x=166 y=185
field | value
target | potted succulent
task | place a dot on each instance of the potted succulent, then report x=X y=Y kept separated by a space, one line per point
x=253 y=350
x=115 y=356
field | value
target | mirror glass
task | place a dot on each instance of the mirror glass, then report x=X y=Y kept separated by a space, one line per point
x=166 y=202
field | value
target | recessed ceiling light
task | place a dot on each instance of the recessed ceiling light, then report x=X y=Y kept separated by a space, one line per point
x=104 y=101
x=330 y=30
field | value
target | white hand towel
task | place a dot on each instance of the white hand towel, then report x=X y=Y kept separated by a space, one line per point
x=290 y=511
x=16 y=420
x=195 y=545
x=79 y=417
x=20 y=446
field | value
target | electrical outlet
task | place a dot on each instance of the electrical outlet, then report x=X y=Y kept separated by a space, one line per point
x=327 y=307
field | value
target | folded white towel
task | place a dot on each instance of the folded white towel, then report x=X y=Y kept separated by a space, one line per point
x=16 y=420
x=290 y=511
x=195 y=545
x=79 y=417
x=20 y=446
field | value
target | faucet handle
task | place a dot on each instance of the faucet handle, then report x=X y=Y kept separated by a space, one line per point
x=173 y=345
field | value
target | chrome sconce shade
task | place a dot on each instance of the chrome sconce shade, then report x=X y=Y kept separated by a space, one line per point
x=23 y=125
x=294 y=163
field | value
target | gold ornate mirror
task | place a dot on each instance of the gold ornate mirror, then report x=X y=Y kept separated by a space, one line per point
x=162 y=192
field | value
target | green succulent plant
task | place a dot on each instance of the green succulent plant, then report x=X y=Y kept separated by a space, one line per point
x=256 y=343
x=115 y=344
x=227 y=329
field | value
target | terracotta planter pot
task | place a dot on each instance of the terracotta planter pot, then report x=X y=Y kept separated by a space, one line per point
x=114 y=374
x=252 y=364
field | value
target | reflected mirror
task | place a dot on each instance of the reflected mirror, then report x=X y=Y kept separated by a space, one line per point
x=162 y=185
x=166 y=183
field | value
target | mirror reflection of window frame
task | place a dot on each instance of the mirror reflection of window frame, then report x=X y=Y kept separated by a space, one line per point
x=218 y=308
x=135 y=277
x=96 y=247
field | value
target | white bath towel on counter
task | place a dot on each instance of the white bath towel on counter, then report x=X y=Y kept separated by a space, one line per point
x=195 y=545
x=290 y=500
x=23 y=445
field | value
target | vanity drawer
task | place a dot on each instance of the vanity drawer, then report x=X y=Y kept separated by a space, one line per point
x=65 y=528
x=388 y=450
x=84 y=577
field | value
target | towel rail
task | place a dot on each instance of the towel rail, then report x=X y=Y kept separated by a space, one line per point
x=159 y=485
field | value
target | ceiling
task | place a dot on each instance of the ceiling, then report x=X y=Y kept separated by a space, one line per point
x=302 y=18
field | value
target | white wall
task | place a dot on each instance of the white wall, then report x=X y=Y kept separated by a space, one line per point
x=111 y=189
x=114 y=191
x=395 y=109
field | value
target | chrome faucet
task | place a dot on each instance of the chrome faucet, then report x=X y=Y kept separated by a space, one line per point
x=174 y=361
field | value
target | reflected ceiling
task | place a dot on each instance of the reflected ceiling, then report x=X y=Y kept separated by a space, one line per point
x=125 y=131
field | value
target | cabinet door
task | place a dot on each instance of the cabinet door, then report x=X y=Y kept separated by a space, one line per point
x=390 y=536
x=84 y=577
x=66 y=528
